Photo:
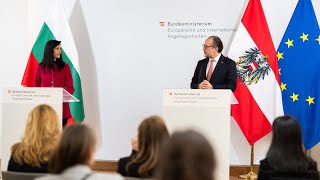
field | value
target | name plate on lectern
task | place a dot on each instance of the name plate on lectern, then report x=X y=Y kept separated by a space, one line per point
x=19 y=95
x=196 y=97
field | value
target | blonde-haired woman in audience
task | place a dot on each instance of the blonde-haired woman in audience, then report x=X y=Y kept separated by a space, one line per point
x=187 y=155
x=41 y=132
x=74 y=156
x=151 y=133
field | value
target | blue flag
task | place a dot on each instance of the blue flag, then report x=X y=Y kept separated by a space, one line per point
x=299 y=67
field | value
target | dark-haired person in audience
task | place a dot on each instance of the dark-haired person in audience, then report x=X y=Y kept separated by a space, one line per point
x=142 y=162
x=41 y=132
x=285 y=157
x=186 y=156
x=74 y=156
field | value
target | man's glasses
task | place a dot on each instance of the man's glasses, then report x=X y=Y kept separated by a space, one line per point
x=205 y=46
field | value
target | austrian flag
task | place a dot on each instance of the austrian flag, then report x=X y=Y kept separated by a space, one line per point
x=258 y=91
x=253 y=66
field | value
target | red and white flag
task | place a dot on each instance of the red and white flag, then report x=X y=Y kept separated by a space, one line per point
x=258 y=91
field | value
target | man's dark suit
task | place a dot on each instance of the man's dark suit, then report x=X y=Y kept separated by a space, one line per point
x=224 y=75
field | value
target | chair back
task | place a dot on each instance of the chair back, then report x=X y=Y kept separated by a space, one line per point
x=12 y=175
x=133 y=178
x=310 y=175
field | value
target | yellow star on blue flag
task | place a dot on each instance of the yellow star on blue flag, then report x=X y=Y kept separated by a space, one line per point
x=300 y=71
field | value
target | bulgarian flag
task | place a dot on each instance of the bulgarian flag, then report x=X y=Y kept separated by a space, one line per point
x=56 y=26
x=258 y=91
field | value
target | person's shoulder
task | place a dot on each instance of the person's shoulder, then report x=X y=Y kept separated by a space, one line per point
x=127 y=158
x=13 y=165
x=122 y=163
x=124 y=160
x=203 y=60
x=312 y=165
x=264 y=161
x=227 y=59
x=106 y=176
x=264 y=164
x=51 y=177
x=133 y=169
x=66 y=65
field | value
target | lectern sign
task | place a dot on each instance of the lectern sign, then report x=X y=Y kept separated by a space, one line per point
x=194 y=97
x=31 y=95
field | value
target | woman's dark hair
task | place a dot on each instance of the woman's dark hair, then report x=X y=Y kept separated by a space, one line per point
x=48 y=59
x=76 y=146
x=217 y=43
x=187 y=155
x=286 y=151
x=151 y=133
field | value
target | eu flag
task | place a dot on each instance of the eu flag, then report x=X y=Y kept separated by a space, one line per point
x=299 y=68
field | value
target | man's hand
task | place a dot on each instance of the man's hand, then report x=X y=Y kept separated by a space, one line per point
x=205 y=85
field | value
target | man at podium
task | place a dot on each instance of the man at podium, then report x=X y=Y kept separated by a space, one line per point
x=215 y=71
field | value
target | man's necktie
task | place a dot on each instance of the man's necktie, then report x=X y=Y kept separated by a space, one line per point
x=210 y=70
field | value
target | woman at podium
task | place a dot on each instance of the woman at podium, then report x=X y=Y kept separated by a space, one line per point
x=54 y=72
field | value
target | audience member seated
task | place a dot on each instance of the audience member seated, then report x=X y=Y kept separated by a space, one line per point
x=186 y=156
x=144 y=158
x=74 y=156
x=41 y=132
x=285 y=158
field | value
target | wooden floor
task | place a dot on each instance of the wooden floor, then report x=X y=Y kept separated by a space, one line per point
x=231 y=177
x=234 y=178
x=112 y=166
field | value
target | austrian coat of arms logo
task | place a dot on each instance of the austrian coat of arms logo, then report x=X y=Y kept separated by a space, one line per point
x=253 y=66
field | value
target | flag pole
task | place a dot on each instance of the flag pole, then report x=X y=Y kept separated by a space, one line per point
x=251 y=174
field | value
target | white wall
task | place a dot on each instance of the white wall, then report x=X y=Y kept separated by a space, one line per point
x=126 y=58
x=14 y=41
